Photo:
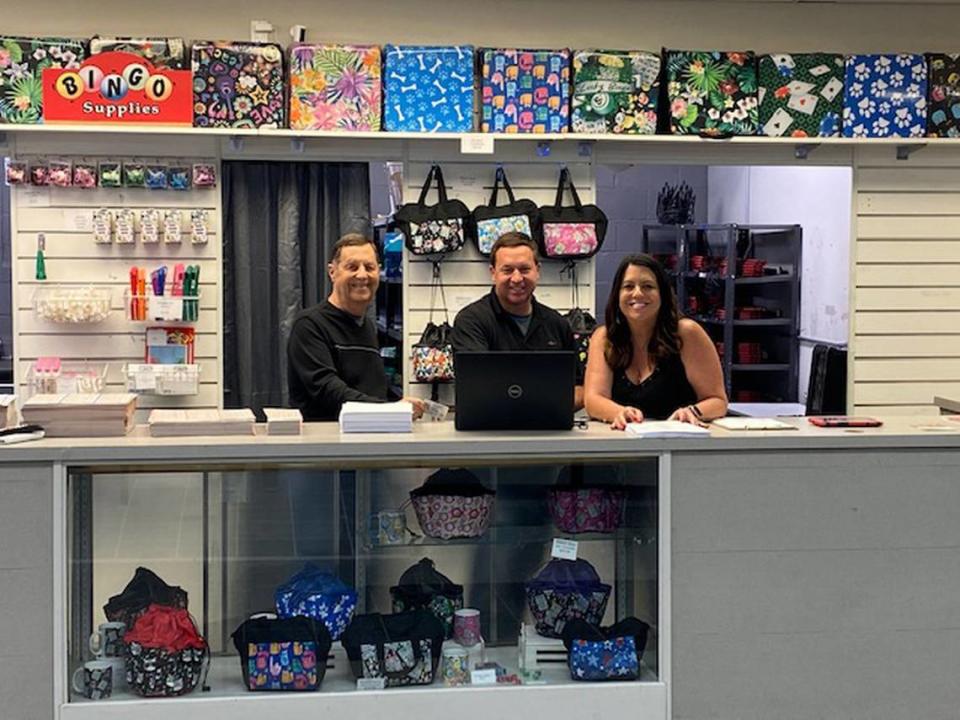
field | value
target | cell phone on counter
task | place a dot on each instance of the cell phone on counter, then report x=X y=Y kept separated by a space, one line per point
x=844 y=421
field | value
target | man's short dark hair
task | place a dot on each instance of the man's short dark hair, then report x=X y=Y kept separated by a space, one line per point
x=350 y=240
x=513 y=239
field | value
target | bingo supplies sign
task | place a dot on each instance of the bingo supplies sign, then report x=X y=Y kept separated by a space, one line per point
x=118 y=87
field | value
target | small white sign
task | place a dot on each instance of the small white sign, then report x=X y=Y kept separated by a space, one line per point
x=483 y=677
x=476 y=144
x=34 y=196
x=371 y=683
x=144 y=377
x=564 y=549
x=82 y=221
x=166 y=307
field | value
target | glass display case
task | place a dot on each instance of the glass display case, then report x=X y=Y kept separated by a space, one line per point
x=229 y=537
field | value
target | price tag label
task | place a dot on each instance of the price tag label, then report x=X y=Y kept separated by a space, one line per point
x=144 y=377
x=371 y=683
x=483 y=677
x=166 y=307
x=564 y=549
x=476 y=144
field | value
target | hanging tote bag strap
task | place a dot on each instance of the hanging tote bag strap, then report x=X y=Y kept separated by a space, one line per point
x=435 y=175
x=381 y=652
x=501 y=177
x=436 y=287
x=566 y=181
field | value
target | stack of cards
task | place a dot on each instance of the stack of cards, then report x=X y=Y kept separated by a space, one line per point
x=800 y=95
x=283 y=421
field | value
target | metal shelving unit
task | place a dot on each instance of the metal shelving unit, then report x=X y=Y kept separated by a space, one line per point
x=751 y=309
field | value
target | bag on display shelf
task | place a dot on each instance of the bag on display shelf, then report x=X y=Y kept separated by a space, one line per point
x=317 y=594
x=605 y=653
x=434 y=229
x=943 y=111
x=573 y=232
x=335 y=87
x=238 y=85
x=453 y=503
x=165 y=654
x=428 y=89
x=170 y=53
x=800 y=95
x=711 y=93
x=885 y=96
x=492 y=220
x=525 y=91
x=403 y=648
x=146 y=588
x=422 y=587
x=21 y=92
x=565 y=590
x=433 y=353
x=615 y=91
x=282 y=653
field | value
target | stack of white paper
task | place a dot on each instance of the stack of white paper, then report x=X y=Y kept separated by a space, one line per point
x=357 y=417
x=283 y=421
x=8 y=411
x=81 y=414
x=197 y=421
x=666 y=429
x=751 y=423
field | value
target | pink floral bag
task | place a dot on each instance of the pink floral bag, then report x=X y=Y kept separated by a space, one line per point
x=574 y=232
x=586 y=509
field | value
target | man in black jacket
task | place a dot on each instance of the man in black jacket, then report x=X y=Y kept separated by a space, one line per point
x=333 y=354
x=509 y=317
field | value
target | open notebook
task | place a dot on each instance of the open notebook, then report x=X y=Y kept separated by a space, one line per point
x=666 y=429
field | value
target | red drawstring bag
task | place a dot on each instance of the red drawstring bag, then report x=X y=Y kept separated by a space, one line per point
x=168 y=628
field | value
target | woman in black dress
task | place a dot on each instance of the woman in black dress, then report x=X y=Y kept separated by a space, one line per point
x=646 y=361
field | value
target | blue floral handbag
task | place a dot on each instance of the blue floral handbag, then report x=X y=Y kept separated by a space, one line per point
x=317 y=594
x=612 y=653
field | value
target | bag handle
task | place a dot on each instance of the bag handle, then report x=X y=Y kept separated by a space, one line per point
x=566 y=181
x=501 y=176
x=435 y=174
x=395 y=674
x=436 y=283
x=570 y=268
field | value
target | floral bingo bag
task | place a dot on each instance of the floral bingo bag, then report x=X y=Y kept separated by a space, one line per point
x=433 y=353
x=572 y=232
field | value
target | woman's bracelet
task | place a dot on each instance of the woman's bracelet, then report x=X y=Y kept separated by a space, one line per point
x=696 y=411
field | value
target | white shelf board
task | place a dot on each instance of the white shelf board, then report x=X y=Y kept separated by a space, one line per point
x=559 y=698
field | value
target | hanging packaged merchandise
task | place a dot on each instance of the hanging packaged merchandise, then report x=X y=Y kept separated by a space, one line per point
x=573 y=232
x=103 y=226
x=564 y=590
x=204 y=175
x=238 y=85
x=452 y=504
x=172 y=226
x=712 y=93
x=167 y=53
x=165 y=654
x=150 y=226
x=84 y=175
x=21 y=92
x=432 y=357
x=492 y=220
x=428 y=89
x=199 y=226
x=282 y=653
x=885 y=96
x=800 y=95
x=111 y=174
x=16 y=172
x=317 y=594
x=615 y=91
x=144 y=589
x=335 y=87
x=943 y=111
x=156 y=177
x=39 y=173
x=134 y=175
x=60 y=173
x=422 y=587
x=403 y=649
x=525 y=91
x=433 y=229
x=178 y=177
x=605 y=653
x=125 y=227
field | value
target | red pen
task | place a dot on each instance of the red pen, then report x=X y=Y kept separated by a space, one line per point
x=178 y=274
x=133 y=294
x=142 y=291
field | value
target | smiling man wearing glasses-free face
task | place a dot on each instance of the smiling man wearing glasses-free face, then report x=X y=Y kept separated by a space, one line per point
x=509 y=317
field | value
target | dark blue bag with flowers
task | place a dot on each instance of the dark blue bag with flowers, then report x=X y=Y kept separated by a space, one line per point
x=317 y=594
x=611 y=653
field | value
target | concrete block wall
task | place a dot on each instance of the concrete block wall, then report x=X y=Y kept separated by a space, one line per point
x=628 y=195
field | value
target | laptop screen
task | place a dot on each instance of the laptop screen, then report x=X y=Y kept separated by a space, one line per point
x=515 y=390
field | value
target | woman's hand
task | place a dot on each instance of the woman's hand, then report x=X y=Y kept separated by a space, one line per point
x=626 y=415
x=687 y=415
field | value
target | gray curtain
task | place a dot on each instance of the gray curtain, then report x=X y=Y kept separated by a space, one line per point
x=280 y=220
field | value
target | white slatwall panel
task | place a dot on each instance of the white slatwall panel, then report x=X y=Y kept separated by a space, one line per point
x=466 y=274
x=73 y=258
x=906 y=281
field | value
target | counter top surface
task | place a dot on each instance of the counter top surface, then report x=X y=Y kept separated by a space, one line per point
x=323 y=443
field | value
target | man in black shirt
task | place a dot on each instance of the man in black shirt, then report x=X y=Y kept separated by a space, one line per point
x=509 y=317
x=333 y=354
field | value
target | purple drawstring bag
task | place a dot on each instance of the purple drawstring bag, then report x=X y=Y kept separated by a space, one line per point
x=564 y=590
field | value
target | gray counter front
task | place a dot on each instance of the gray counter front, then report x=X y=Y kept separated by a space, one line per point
x=808 y=574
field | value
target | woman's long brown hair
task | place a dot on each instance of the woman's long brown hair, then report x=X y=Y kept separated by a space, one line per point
x=665 y=340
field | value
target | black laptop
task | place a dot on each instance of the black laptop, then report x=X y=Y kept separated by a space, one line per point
x=516 y=390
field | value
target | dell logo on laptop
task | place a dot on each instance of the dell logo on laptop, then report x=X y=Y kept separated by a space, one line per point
x=514 y=392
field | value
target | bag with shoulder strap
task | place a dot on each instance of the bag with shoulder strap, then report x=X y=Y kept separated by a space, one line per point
x=434 y=229
x=573 y=232
x=494 y=220
x=433 y=353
